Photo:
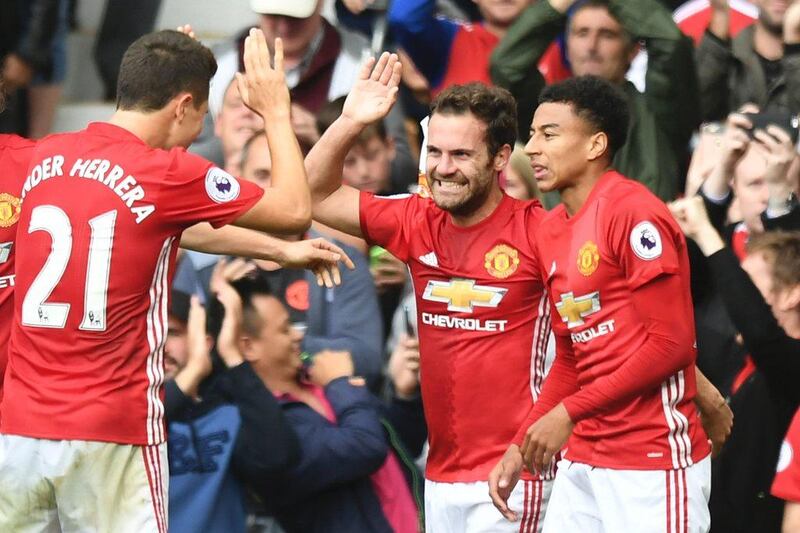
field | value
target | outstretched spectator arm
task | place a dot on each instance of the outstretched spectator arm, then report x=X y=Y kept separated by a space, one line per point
x=671 y=79
x=426 y=38
x=714 y=56
x=774 y=352
x=518 y=53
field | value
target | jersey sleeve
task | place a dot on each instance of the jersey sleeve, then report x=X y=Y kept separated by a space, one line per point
x=643 y=239
x=786 y=485
x=388 y=221
x=194 y=190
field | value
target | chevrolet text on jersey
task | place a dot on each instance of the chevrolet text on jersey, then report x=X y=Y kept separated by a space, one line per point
x=101 y=170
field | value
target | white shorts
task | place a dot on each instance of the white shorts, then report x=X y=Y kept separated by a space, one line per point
x=602 y=500
x=82 y=486
x=467 y=508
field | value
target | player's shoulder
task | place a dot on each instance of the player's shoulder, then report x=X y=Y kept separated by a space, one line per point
x=9 y=141
x=622 y=196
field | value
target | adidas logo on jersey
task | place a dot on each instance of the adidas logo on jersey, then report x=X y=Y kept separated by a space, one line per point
x=430 y=259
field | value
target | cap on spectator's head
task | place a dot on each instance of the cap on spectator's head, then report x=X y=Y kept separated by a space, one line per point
x=300 y=9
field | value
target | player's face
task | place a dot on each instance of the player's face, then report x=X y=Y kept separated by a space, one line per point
x=278 y=344
x=368 y=165
x=461 y=173
x=597 y=45
x=235 y=124
x=559 y=147
x=501 y=12
x=258 y=165
x=175 y=349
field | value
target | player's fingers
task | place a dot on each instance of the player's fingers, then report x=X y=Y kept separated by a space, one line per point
x=366 y=68
x=779 y=133
x=322 y=243
x=318 y=275
x=378 y=70
x=386 y=73
x=397 y=74
x=326 y=278
x=249 y=52
x=336 y=274
x=278 y=54
x=241 y=83
x=262 y=51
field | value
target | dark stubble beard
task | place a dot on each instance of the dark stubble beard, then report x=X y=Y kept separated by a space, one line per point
x=474 y=201
x=773 y=27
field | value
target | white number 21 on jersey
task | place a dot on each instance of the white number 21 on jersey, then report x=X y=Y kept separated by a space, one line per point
x=53 y=220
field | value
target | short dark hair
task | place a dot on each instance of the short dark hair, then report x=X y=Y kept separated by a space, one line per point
x=601 y=104
x=249 y=288
x=159 y=66
x=494 y=106
x=333 y=109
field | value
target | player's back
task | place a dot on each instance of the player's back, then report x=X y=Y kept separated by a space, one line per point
x=102 y=215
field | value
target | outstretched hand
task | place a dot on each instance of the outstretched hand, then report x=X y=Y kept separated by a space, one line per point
x=263 y=86
x=375 y=90
x=319 y=256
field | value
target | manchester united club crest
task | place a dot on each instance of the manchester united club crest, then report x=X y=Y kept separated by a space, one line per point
x=588 y=258
x=501 y=261
x=9 y=210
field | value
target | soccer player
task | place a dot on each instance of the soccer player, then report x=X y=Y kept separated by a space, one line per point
x=103 y=212
x=620 y=391
x=482 y=315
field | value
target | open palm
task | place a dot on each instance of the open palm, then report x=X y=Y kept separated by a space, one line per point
x=375 y=90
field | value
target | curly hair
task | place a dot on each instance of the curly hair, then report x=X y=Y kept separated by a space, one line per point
x=602 y=105
x=493 y=106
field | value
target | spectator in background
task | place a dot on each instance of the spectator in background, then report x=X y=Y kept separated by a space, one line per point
x=601 y=38
x=226 y=430
x=349 y=478
x=345 y=318
x=519 y=180
x=761 y=65
x=759 y=170
x=235 y=123
x=34 y=63
x=763 y=300
x=321 y=63
x=787 y=478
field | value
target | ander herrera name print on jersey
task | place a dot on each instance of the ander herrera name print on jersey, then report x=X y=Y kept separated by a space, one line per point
x=101 y=170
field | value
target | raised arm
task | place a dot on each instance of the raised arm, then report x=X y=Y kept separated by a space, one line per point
x=286 y=205
x=372 y=96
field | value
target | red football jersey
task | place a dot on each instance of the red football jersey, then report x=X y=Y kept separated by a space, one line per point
x=786 y=484
x=102 y=215
x=621 y=238
x=483 y=323
x=15 y=154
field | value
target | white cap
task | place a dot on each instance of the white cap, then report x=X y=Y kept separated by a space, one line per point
x=300 y=9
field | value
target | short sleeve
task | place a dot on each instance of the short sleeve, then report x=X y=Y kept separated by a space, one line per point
x=643 y=239
x=389 y=221
x=786 y=485
x=194 y=190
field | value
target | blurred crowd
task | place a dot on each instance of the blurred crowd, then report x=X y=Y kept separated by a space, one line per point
x=322 y=428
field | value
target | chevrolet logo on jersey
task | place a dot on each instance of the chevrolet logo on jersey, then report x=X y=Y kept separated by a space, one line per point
x=462 y=295
x=573 y=310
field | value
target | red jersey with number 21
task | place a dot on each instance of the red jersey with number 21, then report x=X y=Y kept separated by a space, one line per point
x=102 y=215
x=483 y=323
x=620 y=239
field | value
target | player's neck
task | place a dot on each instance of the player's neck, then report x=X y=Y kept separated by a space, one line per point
x=143 y=125
x=484 y=211
x=574 y=196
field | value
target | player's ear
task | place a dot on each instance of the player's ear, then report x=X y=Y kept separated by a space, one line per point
x=789 y=298
x=501 y=157
x=183 y=101
x=598 y=146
